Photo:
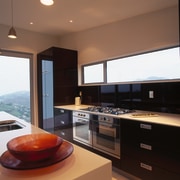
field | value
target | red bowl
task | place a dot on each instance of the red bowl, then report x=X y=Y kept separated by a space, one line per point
x=34 y=147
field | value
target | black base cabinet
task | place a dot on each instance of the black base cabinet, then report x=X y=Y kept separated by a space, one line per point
x=150 y=151
x=146 y=170
x=63 y=123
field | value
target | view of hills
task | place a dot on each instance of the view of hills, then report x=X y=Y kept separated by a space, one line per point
x=17 y=104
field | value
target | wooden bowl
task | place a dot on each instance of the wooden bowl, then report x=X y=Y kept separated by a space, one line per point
x=34 y=147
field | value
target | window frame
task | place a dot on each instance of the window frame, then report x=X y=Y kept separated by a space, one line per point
x=92 y=64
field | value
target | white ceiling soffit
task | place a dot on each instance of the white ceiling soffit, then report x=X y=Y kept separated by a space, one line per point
x=85 y=14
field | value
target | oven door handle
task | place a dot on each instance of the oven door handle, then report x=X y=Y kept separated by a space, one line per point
x=82 y=121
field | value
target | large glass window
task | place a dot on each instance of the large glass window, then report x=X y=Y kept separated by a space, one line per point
x=15 y=88
x=162 y=65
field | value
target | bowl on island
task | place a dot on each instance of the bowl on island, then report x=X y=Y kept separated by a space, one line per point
x=34 y=147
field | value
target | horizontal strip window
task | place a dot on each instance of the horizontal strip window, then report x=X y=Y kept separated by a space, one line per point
x=155 y=66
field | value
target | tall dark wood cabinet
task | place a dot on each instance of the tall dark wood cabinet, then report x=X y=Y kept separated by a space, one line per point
x=60 y=87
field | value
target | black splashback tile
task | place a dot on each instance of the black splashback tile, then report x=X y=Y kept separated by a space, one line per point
x=166 y=96
x=124 y=96
x=90 y=95
x=108 y=95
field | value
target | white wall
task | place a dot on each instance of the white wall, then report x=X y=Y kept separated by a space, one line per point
x=133 y=35
x=27 y=41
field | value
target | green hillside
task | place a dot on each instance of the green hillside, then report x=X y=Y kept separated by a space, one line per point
x=17 y=104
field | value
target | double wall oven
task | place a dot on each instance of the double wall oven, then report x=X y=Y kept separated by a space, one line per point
x=99 y=129
x=106 y=134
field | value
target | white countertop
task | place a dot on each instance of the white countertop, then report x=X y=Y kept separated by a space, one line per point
x=159 y=118
x=81 y=165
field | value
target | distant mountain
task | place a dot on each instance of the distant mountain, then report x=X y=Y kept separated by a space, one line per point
x=20 y=98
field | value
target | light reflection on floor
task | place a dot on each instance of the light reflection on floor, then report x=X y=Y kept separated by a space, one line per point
x=121 y=175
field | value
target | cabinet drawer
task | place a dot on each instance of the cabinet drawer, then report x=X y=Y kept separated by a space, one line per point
x=146 y=170
x=158 y=159
x=65 y=134
x=159 y=138
x=62 y=118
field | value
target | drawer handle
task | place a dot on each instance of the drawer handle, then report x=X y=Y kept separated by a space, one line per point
x=63 y=133
x=146 y=166
x=62 y=122
x=61 y=110
x=146 y=146
x=145 y=126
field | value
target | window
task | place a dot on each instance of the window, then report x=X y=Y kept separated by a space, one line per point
x=162 y=65
x=15 y=80
x=156 y=66
x=93 y=73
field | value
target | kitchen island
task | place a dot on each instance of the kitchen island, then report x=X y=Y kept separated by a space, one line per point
x=80 y=165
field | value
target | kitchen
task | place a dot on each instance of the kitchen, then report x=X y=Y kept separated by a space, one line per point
x=128 y=36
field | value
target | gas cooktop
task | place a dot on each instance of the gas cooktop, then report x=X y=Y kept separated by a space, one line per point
x=108 y=110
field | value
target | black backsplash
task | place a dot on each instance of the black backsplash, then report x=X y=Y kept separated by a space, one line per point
x=135 y=96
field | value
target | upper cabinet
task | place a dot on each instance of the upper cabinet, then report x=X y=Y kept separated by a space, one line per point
x=155 y=66
x=64 y=73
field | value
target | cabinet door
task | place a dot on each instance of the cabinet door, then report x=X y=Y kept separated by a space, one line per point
x=65 y=76
x=47 y=94
x=166 y=146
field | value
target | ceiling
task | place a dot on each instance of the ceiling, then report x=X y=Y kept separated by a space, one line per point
x=85 y=14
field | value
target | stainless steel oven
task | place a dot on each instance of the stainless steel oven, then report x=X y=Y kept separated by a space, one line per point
x=106 y=134
x=81 y=129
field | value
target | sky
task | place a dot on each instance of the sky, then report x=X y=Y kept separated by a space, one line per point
x=14 y=74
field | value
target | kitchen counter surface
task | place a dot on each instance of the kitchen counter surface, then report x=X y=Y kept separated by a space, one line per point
x=137 y=115
x=82 y=164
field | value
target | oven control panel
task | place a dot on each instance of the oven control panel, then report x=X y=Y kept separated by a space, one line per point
x=106 y=120
x=81 y=114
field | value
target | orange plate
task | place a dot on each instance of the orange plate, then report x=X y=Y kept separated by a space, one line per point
x=9 y=161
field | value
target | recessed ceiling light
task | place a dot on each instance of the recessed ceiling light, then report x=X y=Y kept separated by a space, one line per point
x=71 y=21
x=31 y=23
x=47 y=2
